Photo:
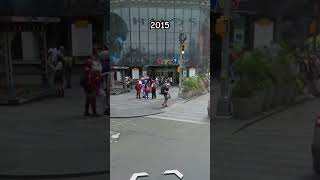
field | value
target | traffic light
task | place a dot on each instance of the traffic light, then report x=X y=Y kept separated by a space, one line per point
x=221 y=25
x=183 y=47
x=313 y=28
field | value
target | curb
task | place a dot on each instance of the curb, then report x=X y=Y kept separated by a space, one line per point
x=270 y=113
x=57 y=176
x=194 y=97
x=121 y=92
x=29 y=99
x=137 y=116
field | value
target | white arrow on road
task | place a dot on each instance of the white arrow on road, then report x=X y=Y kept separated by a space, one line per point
x=175 y=172
x=137 y=175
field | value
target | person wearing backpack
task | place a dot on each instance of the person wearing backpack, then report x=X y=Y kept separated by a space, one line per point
x=154 y=89
x=166 y=95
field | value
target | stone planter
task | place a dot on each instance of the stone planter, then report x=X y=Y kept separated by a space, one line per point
x=260 y=97
x=277 y=97
x=244 y=108
x=190 y=94
x=287 y=94
x=267 y=100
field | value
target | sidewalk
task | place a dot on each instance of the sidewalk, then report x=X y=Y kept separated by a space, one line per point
x=127 y=106
x=52 y=137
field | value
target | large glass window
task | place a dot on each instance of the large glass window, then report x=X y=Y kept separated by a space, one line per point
x=169 y=51
x=135 y=53
x=169 y=17
x=161 y=36
x=179 y=13
x=153 y=36
x=118 y=12
x=196 y=20
x=170 y=38
x=152 y=13
x=135 y=19
x=144 y=20
x=161 y=14
x=161 y=50
x=187 y=22
x=152 y=43
x=177 y=50
x=124 y=13
x=135 y=37
x=144 y=37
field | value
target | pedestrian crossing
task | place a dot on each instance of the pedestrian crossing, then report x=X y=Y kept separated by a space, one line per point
x=193 y=111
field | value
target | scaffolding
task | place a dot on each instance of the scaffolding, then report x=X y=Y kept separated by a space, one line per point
x=23 y=80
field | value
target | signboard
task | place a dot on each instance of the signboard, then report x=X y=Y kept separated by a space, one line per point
x=82 y=39
x=239 y=31
x=135 y=73
x=192 y=72
x=263 y=33
x=173 y=61
x=184 y=74
x=119 y=76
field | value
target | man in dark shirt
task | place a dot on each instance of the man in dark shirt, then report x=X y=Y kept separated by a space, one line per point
x=166 y=95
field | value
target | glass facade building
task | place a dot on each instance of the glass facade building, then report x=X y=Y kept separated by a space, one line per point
x=134 y=44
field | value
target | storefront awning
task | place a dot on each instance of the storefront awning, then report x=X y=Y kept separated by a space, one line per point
x=24 y=19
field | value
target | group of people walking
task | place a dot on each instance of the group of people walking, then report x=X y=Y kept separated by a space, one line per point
x=145 y=86
x=93 y=80
x=60 y=63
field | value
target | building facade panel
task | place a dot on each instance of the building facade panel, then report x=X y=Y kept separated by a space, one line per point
x=160 y=47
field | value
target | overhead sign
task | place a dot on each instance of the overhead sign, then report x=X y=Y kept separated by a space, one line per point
x=173 y=61
x=82 y=43
x=135 y=73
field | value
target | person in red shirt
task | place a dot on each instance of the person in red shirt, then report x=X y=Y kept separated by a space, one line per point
x=91 y=86
x=154 y=89
x=138 y=90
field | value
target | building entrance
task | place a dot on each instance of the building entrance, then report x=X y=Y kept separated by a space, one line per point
x=164 y=71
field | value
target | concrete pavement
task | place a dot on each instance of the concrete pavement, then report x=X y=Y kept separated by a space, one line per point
x=51 y=137
x=178 y=139
x=194 y=111
x=127 y=106
x=276 y=148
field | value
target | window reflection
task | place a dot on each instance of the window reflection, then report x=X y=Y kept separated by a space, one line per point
x=147 y=45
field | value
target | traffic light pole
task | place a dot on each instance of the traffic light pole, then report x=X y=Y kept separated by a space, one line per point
x=224 y=102
x=180 y=74
x=182 y=38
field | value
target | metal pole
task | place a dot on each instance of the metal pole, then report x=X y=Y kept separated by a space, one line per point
x=180 y=74
x=316 y=18
x=224 y=104
x=181 y=64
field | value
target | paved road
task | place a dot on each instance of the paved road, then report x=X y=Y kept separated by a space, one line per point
x=194 y=111
x=277 y=148
x=51 y=136
x=153 y=145
x=126 y=105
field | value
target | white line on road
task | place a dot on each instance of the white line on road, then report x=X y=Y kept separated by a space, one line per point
x=180 y=120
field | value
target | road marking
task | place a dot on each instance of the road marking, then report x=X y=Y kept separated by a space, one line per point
x=179 y=120
x=174 y=172
x=137 y=175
